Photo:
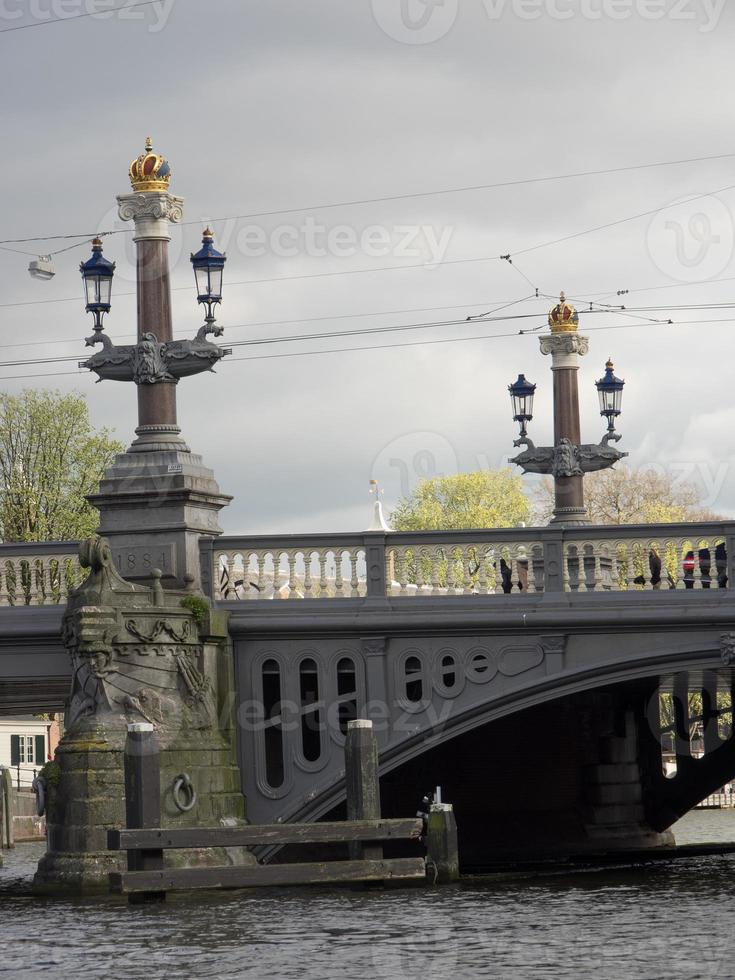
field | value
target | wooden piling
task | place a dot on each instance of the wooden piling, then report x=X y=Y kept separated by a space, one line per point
x=362 y=783
x=143 y=800
x=7 y=807
x=442 y=851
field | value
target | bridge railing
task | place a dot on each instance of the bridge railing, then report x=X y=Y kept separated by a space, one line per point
x=482 y=562
x=38 y=573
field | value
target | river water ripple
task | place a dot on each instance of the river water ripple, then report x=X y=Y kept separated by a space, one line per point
x=663 y=922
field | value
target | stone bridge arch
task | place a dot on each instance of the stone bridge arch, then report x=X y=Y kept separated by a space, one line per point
x=428 y=693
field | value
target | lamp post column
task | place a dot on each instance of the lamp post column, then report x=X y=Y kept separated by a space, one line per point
x=566 y=346
x=152 y=211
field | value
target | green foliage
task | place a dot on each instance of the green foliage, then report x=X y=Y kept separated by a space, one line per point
x=50 y=459
x=486 y=499
x=51 y=772
x=624 y=496
x=198 y=607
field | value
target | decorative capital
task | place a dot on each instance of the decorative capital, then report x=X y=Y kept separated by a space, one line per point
x=564 y=347
x=374 y=646
x=152 y=211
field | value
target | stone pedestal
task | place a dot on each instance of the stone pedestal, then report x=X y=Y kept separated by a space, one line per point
x=154 y=506
x=139 y=654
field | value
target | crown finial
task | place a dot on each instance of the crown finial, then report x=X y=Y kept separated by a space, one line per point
x=563 y=318
x=150 y=171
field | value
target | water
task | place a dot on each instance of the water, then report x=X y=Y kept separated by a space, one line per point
x=666 y=921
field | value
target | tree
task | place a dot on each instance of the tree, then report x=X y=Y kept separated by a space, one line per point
x=624 y=496
x=486 y=499
x=482 y=500
x=50 y=458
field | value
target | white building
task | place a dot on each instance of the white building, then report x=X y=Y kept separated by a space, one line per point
x=24 y=746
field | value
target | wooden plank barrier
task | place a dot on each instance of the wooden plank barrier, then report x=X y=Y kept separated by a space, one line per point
x=148 y=880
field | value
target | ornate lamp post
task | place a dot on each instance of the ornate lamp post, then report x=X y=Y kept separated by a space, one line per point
x=208 y=265
x=97 y=274
x=567 y=460
x=158 y=498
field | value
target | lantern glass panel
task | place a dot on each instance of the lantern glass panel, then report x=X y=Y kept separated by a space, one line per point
x=202 y=277
x=104 y=290
x=215 y=282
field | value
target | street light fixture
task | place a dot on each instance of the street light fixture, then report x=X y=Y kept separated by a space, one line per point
x=521 y=396
x=208 y=265
x=569 y=459
x=610 y=391
x=97 y=273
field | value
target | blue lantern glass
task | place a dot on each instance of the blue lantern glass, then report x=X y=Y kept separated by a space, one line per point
x=208 y=265
x=521 y=396
x=97 y=273
x=610 y=392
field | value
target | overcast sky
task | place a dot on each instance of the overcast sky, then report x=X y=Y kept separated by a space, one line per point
x=264 y=106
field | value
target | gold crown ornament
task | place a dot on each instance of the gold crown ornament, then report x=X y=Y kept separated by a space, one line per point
x=150 y=171
x=563 y=318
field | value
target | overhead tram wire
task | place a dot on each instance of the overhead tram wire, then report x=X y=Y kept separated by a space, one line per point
x=418 y=343
x=390 y=198
x=89 y=13
x=419 y=265
x=424 y=325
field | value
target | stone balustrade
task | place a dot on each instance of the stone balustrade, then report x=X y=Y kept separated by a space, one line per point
x=508 y=561
x=39 y=574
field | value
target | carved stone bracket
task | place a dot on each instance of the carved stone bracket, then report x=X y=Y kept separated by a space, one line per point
x=374 y=646
x=566 y=459
x=727 y=649
x=150 y=362
x=554 y=648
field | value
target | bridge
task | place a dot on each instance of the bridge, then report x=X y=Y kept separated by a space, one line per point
x=524 y=670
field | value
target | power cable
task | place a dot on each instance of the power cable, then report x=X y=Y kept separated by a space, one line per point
x=89 y=13
x=394 y=197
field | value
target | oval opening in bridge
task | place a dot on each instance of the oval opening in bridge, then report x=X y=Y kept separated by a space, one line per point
x=413 y=679
x=311 y=717
x=448 y=671
x=273 y=733
x=346 y=692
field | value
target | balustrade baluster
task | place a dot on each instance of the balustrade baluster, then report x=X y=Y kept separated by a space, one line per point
x=597 y=585
x=276 y=556
x=581 y=570
x=514 y=573
x=63 y=580
x=402 y=571
x=533 y=585
x=419 y=560
x=565 y=569
x=697 y=566
x=630 y=552
x=43 y=582
x=307 y=575
x=450 y=571
x=435 y=558
x=338 y=580
x=292 y=558
x=482 y=581
x=261 y=559
x=466 y=560
x=354 y=580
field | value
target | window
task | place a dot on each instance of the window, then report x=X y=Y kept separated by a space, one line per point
x=27 y=750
